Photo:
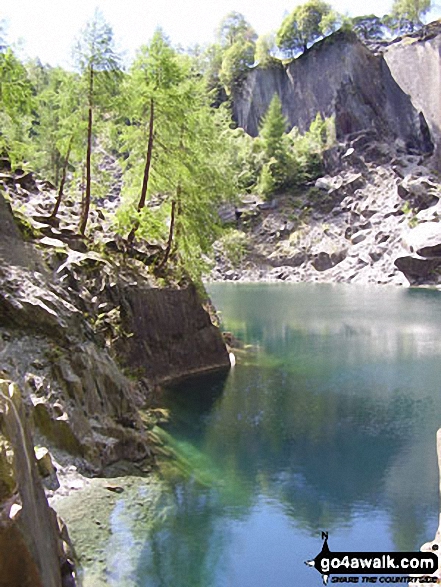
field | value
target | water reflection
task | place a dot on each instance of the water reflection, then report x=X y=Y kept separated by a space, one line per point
x=330 y=425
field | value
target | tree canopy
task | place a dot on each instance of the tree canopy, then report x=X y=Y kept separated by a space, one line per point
x=237 y=60
x=234 y=27
x=406 y=15
x=306 y=23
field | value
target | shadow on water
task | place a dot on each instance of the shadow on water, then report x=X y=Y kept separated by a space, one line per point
x=330 y=425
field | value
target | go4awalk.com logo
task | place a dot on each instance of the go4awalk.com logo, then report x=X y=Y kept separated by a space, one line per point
x=360 y=565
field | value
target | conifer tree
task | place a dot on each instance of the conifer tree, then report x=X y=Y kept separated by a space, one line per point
x=59 y=124
x=188 y=172
x=276 y=169
x=16 y=104
x=99 y=66
x=150 y=88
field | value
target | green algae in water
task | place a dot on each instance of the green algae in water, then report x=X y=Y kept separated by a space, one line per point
x=109 y=529
x=328 y=424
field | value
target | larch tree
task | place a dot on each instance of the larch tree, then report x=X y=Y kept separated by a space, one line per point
x=187 y=169
x=16 y=105
x=99 y=65
x=150 y=94
x=59 y=126
x=198 y=179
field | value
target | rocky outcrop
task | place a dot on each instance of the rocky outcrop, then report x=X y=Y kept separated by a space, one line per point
x=338 y=77
x=191 y=345
x=415 y=64
x=374 y=218
x=86 y=336
x=423 y=264
x=33 y=549
x=67 y=330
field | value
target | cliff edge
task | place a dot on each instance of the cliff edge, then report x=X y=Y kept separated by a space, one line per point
x=86 y=335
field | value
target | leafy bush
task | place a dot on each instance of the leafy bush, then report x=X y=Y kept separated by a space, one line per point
x=234 y=245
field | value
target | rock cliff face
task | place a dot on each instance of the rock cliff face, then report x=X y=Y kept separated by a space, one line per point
x=32 y=548
x=415 y=64
x=338 y=77
x=86 y=337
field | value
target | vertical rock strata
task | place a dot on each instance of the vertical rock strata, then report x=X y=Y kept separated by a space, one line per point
x=31 y=546
x=415 y=64
x=338 y=77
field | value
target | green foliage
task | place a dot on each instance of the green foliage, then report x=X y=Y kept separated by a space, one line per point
x=247 y=158
x=279 y=168
x=265 y=48
x=229 y=59
x=368 y=27
x=307 y=148
x=236 y=62
x=406 y=15
x=277 y=161
x=58 y=121
x=16 y=104
x=100 y=73
x=234 y=244
x=94 y=50
x=306 y=23
x=273 y=128
x=233 y=28
x=190 y=171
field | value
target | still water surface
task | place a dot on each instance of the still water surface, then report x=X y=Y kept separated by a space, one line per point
x=327 y=422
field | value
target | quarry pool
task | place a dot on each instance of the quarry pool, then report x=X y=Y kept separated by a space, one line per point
x=326 y=423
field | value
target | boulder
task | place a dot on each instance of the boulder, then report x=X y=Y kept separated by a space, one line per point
x=418 y=269
x=324 y=261
x=420 y=192
x=424 y=239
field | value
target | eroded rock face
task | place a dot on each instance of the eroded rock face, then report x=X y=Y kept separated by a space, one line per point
x=415 y=64
x=354 y=225
x=31 y=547
x=63 y=331
x=338 y=77
x=65 y=313
x=172 y=334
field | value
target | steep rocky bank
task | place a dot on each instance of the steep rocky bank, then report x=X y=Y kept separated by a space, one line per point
x=374 y=218
x=86 y=335
x=415 y=64
x=338 y=77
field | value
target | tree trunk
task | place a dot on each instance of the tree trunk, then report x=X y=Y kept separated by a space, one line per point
x=63 y=180
x=86 y=201
x=148 y=161
x=170 y=234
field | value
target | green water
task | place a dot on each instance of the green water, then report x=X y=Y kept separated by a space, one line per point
x=327 y=423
